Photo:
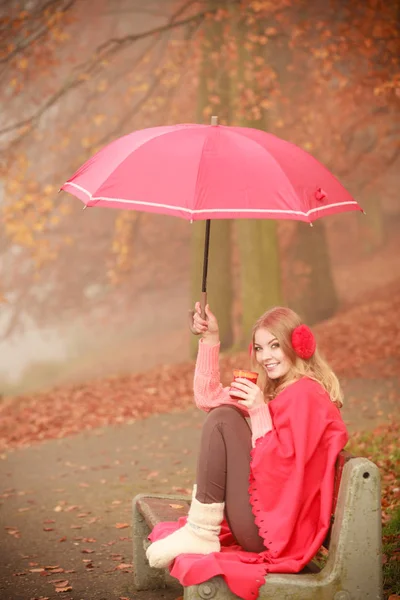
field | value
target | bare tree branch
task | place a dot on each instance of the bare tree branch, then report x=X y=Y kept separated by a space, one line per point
x=36 y=35
x=102 y=53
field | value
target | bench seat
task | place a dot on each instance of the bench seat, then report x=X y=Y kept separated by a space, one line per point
x=353 y=570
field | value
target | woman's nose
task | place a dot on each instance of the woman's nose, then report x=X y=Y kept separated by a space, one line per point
x=266 y=354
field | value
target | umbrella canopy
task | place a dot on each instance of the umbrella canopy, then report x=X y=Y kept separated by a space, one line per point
x=208 y=172
x=197 y=172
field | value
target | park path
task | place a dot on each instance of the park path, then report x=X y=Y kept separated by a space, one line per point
x=66 y=503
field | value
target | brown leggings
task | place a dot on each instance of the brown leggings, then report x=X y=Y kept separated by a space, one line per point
x=223 y=470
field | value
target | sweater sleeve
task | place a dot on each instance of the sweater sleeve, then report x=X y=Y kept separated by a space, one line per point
x=208 y=390
x=261 y=422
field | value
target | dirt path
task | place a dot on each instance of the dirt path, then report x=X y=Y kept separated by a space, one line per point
x=64 y=498
x=61 y=500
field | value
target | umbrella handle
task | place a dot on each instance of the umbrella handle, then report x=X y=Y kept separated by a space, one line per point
x=203 y=302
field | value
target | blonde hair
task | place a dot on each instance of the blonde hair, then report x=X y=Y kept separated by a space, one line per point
x=280 y=322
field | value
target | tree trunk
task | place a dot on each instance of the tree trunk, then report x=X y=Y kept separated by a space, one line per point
x=371 y=225
x=213 y=86
x=260 y=277
x=311 y=289
x=259 y=270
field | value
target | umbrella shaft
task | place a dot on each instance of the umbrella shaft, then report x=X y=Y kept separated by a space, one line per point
x=205 y=261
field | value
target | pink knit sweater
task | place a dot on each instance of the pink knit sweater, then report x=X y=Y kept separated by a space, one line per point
x=209 y=393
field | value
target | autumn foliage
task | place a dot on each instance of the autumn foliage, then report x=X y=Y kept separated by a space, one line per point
x=324 y=76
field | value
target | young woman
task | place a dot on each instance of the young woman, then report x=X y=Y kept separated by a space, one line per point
x=263 y=495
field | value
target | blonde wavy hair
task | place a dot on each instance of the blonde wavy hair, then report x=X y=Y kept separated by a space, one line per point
x=280 y=322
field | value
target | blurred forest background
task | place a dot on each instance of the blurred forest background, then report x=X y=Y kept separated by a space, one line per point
x=101 y=292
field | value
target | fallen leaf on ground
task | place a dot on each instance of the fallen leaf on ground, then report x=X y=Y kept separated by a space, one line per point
x=39 y=570
x=121 y=525
x=70 y=508
x=60 y=582
x=71 y=409
x=57 y=570
x=13 y=531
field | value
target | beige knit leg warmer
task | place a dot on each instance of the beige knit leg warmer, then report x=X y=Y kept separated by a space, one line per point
x=198 y=536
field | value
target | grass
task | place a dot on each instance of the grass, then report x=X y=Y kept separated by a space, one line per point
x=391 y=554
x=381 y=447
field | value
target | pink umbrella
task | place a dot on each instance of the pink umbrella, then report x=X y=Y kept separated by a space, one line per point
x=208 y=172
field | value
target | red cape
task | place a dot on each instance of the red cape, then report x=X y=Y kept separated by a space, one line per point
x=290 y=490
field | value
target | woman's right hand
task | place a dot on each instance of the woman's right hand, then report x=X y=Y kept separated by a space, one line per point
x=208 y=327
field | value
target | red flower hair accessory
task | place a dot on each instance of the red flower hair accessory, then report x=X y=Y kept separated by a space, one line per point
x=303 y=341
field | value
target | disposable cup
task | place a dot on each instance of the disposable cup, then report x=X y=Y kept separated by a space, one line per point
x=244 y=374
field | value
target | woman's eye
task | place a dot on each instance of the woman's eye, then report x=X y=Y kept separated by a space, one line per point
x=257 y=349
x=274 y=346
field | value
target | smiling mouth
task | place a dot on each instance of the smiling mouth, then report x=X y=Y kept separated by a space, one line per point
x=271 y=365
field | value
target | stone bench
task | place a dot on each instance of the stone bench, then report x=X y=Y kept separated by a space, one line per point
x=353 y=570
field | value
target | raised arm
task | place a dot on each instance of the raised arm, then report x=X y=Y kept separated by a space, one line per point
x=208 y=390
x=207 y=387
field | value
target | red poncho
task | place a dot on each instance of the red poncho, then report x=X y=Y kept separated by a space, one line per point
x=290 y=490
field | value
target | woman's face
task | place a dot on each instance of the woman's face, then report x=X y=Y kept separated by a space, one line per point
x=270 y=355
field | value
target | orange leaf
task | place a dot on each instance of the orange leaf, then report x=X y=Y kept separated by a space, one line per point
x=121 y=525
x=36 y=570
x=58 y=570
x=60 y=582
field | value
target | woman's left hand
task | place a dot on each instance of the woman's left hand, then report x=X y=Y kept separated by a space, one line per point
x=250 y=392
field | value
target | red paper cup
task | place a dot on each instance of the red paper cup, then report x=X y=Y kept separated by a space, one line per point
x=249 y=375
